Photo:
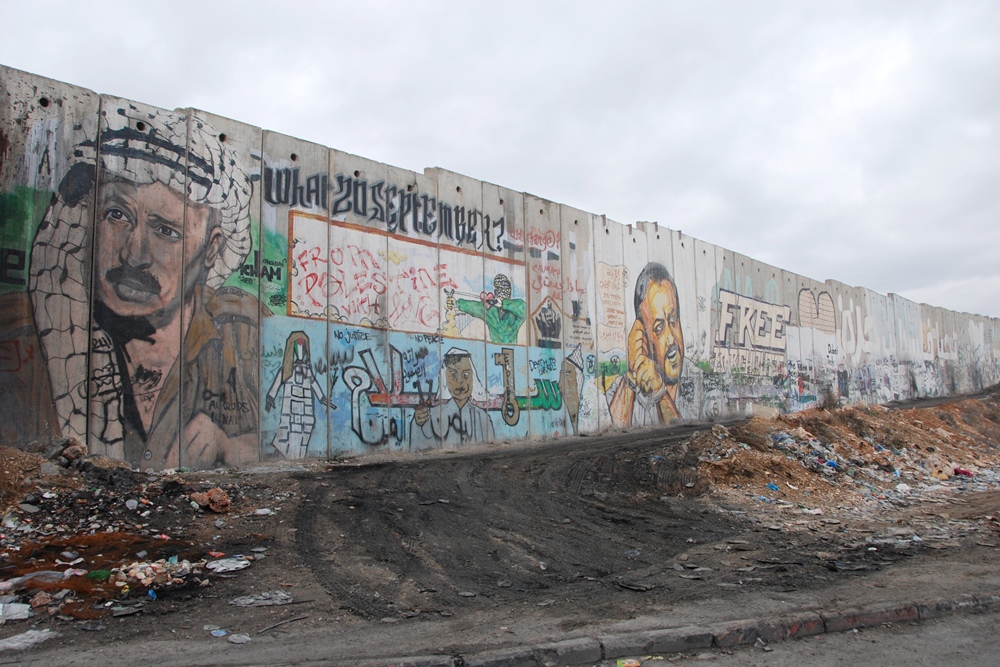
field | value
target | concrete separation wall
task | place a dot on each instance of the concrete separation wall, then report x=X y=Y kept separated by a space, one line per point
x=179 y=289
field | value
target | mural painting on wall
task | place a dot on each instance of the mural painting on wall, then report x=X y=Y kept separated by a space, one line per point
x=299 y=390
x=132 y=246
x=169 y=378
x=429 y=396
x=453 y=418
x=645 y=393
x=502 y=314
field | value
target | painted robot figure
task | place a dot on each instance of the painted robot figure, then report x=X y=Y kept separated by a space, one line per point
x=455 y=420
x=171 y=374
x=299 y=389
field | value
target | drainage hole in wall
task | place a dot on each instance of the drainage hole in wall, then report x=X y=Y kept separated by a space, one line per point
x=357 y=173
x=44 y=101
x=222 y=137
x=140 y=126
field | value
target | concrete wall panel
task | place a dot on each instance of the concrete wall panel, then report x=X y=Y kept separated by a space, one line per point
x=47 y=208
x=221 y=387
x=814 y=321
x=612 y=323
x=136 y=410
x=699 y=337
x=294 y=275
x=582 y=400
x=467 y=317
x=504 y=255
x=361 y=273
x=722 y=324
x=546 y=319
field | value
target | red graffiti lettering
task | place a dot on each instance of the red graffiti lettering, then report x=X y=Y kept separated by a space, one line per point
x=311 y=256
x=548 y=279
x=543 y=239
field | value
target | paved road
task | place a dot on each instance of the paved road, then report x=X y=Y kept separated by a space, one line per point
x=957 y=641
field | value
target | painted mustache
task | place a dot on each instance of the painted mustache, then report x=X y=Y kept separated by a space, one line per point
x=132 y=278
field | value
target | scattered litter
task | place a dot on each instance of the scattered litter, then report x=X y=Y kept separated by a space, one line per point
x=227 y=565
x=239 y=639
x=26 y=640
x=219 y=632
x=14 y=612
x=266 y=599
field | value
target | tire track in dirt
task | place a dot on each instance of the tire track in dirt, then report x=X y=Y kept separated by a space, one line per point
x=555 y=519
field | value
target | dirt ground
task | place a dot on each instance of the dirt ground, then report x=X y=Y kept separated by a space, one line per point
x=564 y=534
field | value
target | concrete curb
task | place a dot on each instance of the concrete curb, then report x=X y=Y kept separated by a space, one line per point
x=588 y=651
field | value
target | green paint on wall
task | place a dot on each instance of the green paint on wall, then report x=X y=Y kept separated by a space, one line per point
x=274 y=272
x=21 y=211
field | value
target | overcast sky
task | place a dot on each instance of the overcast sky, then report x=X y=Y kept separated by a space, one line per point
x=858 y=141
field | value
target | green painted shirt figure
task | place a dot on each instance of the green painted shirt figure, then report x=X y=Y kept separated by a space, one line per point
x=504 y=321
x=502 y=313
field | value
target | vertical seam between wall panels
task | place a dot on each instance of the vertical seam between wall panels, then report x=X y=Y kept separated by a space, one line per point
x=95 y=204
x=326 y=313
x=258 y=265
x=182 y=357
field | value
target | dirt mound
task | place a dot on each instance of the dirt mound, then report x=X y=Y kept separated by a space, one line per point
x=15 y=467
x=825 y=458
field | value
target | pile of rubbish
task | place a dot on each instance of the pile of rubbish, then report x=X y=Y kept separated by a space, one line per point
x=81 y=537
x=861 y=456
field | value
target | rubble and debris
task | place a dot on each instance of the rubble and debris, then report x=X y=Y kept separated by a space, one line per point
x=812 y=493
x=215 y=499
x=228 y=564
x=865 y=458
x=14 y=611
x=265 y=599
x=98 y=537
x=27 y=639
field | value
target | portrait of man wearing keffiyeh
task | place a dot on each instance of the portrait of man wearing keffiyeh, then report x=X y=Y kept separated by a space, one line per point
x=149 y=357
